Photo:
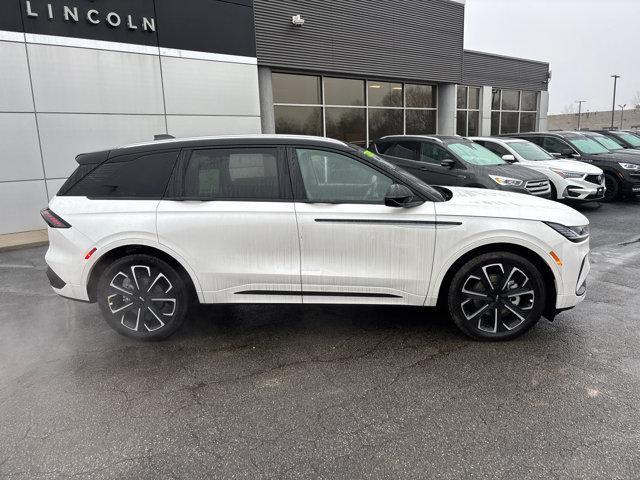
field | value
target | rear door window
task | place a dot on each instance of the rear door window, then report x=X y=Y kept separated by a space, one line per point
x=404 y=149
x=554 y=145
x=138 y=175
x=235 y=174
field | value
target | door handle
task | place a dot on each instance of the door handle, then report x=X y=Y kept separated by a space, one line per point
x=424 y=168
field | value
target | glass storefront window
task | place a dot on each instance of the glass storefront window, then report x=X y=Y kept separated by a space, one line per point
x=303 y=89
x=474 y=98
x=462 y=97
x=347 y=124
x=495 y=99
x=468 y=113
x=527 y=122
x=420 y=96
x=495 y=123
x=510 y=100
x=384 y=94
x=421 y=122
x=461 y=123
x=298 y=120
x=473 y=123
x=509 y=122
x=342 y=108
x=516 y=111
x=384 y=121
x=529 y=101
x=344 y=91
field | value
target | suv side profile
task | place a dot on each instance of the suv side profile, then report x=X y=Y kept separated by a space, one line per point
x=570 y=179
x=621 y=172
x=457 y=161
x=146 y=230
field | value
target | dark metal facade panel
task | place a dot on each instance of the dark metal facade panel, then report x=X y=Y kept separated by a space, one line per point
x=504 y=72
x=414 y=39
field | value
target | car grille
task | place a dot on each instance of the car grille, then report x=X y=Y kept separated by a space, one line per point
x=597 y=179
x=538 y=187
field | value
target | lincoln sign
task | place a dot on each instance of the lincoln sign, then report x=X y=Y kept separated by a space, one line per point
x=92 y=16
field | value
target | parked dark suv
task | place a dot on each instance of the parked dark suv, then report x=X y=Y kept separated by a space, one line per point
x=622 y=172
x=457 y=161
x=626 y=139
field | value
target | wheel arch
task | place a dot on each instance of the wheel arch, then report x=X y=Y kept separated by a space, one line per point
x=527 y=253
x=116 y=252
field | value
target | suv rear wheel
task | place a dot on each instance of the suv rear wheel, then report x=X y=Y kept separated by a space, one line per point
x=142 y=297
x=496 y=296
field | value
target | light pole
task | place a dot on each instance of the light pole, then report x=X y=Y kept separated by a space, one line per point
x=622 y=114
x=613 y=108
x=579 y=102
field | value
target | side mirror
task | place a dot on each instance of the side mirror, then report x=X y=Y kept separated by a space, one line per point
x=448 y=163
x=400 y=196
x=509 y=158
x=567 y=152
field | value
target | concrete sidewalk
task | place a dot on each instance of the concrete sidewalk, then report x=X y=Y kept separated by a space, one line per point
x=15 y=241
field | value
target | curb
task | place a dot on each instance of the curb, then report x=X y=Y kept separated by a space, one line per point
x=22 y=241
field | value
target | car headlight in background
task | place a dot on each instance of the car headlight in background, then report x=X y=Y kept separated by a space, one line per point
x=629 y=166
x=507 y=181
x=575 y=234
x=567 y=173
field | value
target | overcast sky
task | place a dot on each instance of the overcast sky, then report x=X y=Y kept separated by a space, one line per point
x=585 y=41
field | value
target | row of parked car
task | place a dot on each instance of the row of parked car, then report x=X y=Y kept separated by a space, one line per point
x=578 y=166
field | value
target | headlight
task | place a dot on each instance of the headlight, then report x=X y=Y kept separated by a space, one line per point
x=567 y=174
x=511 y=182
x=575 y=234
x=629 y=166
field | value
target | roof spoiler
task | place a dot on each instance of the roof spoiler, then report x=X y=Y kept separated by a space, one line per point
x=163 y=136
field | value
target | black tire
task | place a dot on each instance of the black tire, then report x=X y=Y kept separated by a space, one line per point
x=613 y=188
x=123 y=296
x=479 y=301
x=554 y=193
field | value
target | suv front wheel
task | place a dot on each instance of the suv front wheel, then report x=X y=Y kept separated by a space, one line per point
x=142 y=297
x=496 y=296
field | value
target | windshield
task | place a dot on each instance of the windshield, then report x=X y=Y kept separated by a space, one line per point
x=475 y=154
x=530 y=151
x=607 y=142
x=629 y=138
x=587 y=145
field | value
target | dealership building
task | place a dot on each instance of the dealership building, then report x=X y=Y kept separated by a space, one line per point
x=83 y=75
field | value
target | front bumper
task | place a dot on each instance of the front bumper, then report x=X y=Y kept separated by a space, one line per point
x=630 y=182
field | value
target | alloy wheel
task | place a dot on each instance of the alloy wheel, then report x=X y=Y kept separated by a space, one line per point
x=141 y=298
x=497 y=297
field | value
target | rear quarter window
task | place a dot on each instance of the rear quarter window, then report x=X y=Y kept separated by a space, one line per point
x=138 y=175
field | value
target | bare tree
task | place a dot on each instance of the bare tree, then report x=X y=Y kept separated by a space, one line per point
x=636 y=100
x=569 y=109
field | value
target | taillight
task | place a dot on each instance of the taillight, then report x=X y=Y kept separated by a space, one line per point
x=53 y=220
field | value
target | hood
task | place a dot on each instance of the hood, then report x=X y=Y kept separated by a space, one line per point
x=615 y=157
x=628 y=152
x=570 y=165
x=514 y=171
x=480 y=202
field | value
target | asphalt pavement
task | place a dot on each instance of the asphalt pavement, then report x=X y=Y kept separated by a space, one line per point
x=324 y=391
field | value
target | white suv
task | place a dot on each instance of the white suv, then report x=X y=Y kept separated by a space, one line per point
x=144 y=230
x=570 y=179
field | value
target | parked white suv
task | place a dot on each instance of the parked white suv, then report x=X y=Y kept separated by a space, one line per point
x=570 y=179
x=145 y=229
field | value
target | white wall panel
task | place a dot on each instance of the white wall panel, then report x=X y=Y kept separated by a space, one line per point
x=54 y=185
x=26 y=200
x=15 y=89
x=196 y=126
x=80 y=80
x=20 y=152
x=64 y=136
x=201 y=87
